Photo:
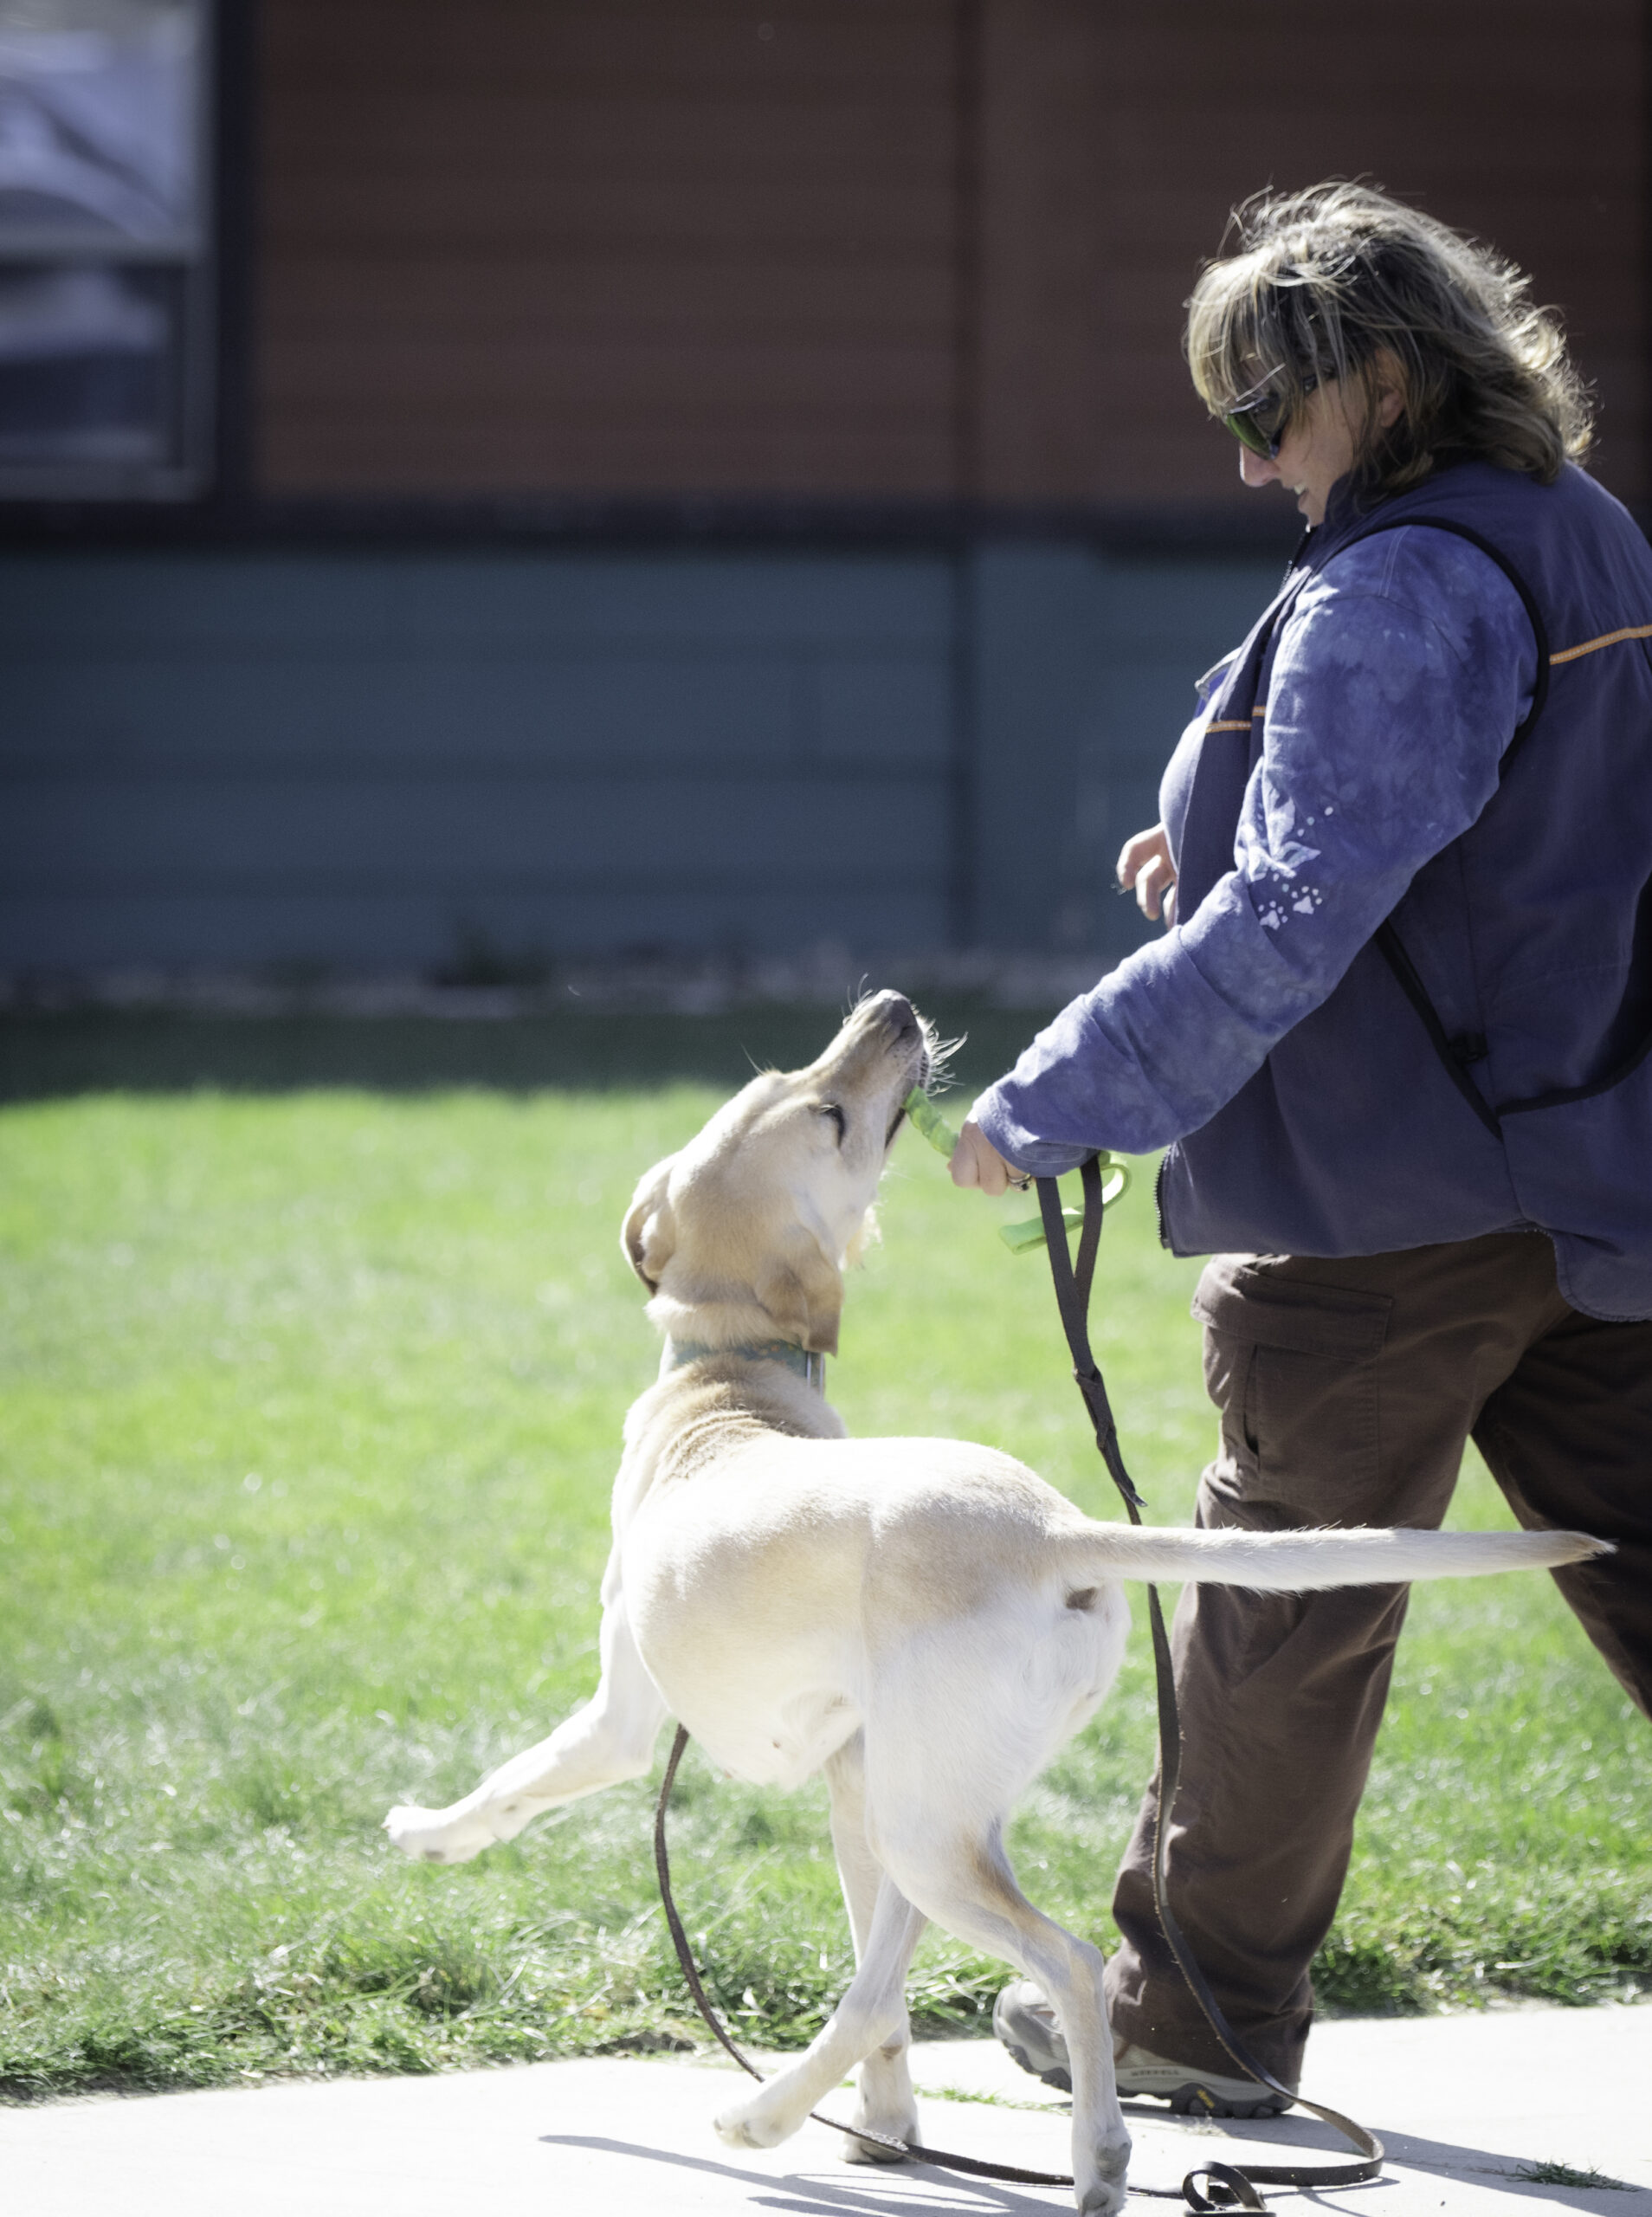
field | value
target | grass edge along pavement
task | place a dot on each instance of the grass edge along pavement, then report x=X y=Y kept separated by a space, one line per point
x=312 y=1406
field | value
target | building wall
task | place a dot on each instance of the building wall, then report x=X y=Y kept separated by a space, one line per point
x=1118 y=137
x=618 y=245
x=929 y=252
x=873 y=248
x=369 y=759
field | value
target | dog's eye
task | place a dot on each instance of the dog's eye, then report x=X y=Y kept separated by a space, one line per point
x=830 y=1109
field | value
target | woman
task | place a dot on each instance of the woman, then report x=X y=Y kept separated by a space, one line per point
x=1395 y=1040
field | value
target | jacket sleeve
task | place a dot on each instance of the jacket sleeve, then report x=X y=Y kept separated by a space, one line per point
x=1402 y=673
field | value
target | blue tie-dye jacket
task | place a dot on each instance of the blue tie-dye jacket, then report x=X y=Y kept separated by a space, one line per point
x=1411 y=1000
x=1401 y=673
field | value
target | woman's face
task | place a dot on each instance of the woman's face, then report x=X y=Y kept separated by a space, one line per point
x=1320 y=446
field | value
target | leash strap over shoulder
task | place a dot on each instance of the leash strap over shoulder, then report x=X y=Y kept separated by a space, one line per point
x=1073 y=1285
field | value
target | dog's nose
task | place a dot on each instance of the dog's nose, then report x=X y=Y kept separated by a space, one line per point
x=897 y=1013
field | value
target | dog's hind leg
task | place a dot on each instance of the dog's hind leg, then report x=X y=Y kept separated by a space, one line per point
x=872 y=2011
x=610 y=1739
x=966 y=1885
x=886 y=2103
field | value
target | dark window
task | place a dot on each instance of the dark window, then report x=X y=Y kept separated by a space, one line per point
x=105 y=248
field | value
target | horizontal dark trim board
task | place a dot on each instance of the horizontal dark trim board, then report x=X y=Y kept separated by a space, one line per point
x=456 y=766
x=585 y=650
x=431 y=886
x=1186 y=529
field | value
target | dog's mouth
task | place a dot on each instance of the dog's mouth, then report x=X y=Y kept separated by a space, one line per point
x=885 y=1042
x=930 y=1056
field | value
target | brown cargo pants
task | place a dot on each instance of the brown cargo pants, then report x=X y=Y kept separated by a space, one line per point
x=1348 y=1389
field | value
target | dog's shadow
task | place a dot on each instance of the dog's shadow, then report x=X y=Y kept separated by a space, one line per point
x=924 y=2190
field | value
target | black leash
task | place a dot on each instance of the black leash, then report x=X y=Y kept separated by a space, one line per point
x=702 y=2003
x=1073 y=1284
x=1229 y=2185
x=1226 y=2185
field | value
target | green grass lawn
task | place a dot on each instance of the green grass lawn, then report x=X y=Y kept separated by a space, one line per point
x=309 y=1402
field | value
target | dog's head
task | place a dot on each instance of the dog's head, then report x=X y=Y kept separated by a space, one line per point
x=745 y=1233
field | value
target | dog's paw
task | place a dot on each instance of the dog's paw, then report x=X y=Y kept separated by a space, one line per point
x=1104 y=2193
x=875 y=2151
x=747 y=2125
x=429 y=1837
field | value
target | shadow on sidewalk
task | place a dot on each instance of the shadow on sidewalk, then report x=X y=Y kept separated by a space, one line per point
x=905 y=2191
x=1286 y=2136
x=921 y=2191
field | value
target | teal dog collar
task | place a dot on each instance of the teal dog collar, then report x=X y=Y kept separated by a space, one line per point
x=809 y=1367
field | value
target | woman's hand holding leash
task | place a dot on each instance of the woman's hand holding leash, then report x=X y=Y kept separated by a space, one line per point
x=976 y=1162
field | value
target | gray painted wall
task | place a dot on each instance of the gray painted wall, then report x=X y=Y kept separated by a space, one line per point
x=360 y=758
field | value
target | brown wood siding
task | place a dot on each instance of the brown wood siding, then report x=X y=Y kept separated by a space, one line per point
x=875 y=249
x=640 y=246
x=1121 y=137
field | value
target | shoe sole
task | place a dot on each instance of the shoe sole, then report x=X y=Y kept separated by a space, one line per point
x=1192 y=2099
x=1196 y=2099
x=1187 y=2100
x=1053 y=2075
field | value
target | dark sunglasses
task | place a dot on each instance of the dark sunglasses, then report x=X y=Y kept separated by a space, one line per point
x=1262 y=426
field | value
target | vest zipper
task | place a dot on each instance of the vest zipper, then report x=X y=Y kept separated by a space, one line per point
x=1159 y=1195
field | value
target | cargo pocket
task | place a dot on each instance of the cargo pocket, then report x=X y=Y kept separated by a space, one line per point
x=1292 y=1364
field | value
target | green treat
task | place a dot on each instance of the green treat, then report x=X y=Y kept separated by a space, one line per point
x=928 y=1119
x=1020 y=1239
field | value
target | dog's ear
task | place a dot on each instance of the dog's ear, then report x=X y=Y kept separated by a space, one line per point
x=803 y=1293
x=649 y=1234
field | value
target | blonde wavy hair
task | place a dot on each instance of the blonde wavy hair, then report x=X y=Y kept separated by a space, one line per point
x=1341 y=281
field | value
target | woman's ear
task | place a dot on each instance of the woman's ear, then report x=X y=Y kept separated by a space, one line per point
x=649 y=1236
x=1387 y=390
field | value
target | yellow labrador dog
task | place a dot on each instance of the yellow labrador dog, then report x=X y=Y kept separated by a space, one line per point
x=925 y=1622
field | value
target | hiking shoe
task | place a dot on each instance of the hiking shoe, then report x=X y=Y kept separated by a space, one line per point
x=1026 y=2024
x=1190 y=2091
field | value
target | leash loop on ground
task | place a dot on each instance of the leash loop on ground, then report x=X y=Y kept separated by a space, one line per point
x=1229 y=2189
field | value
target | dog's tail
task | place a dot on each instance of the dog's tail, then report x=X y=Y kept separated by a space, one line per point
x=1302 y=1562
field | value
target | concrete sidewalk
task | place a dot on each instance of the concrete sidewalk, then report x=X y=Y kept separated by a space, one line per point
x=1460 y=2101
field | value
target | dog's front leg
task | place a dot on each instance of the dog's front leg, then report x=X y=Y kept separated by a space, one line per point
x=874 y=2008
x=610 y=1739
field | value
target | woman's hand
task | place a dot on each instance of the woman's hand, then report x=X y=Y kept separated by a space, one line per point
x=1145 y=863
x=976 y=1162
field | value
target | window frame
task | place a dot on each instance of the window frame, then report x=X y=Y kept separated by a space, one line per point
x=188 y=471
